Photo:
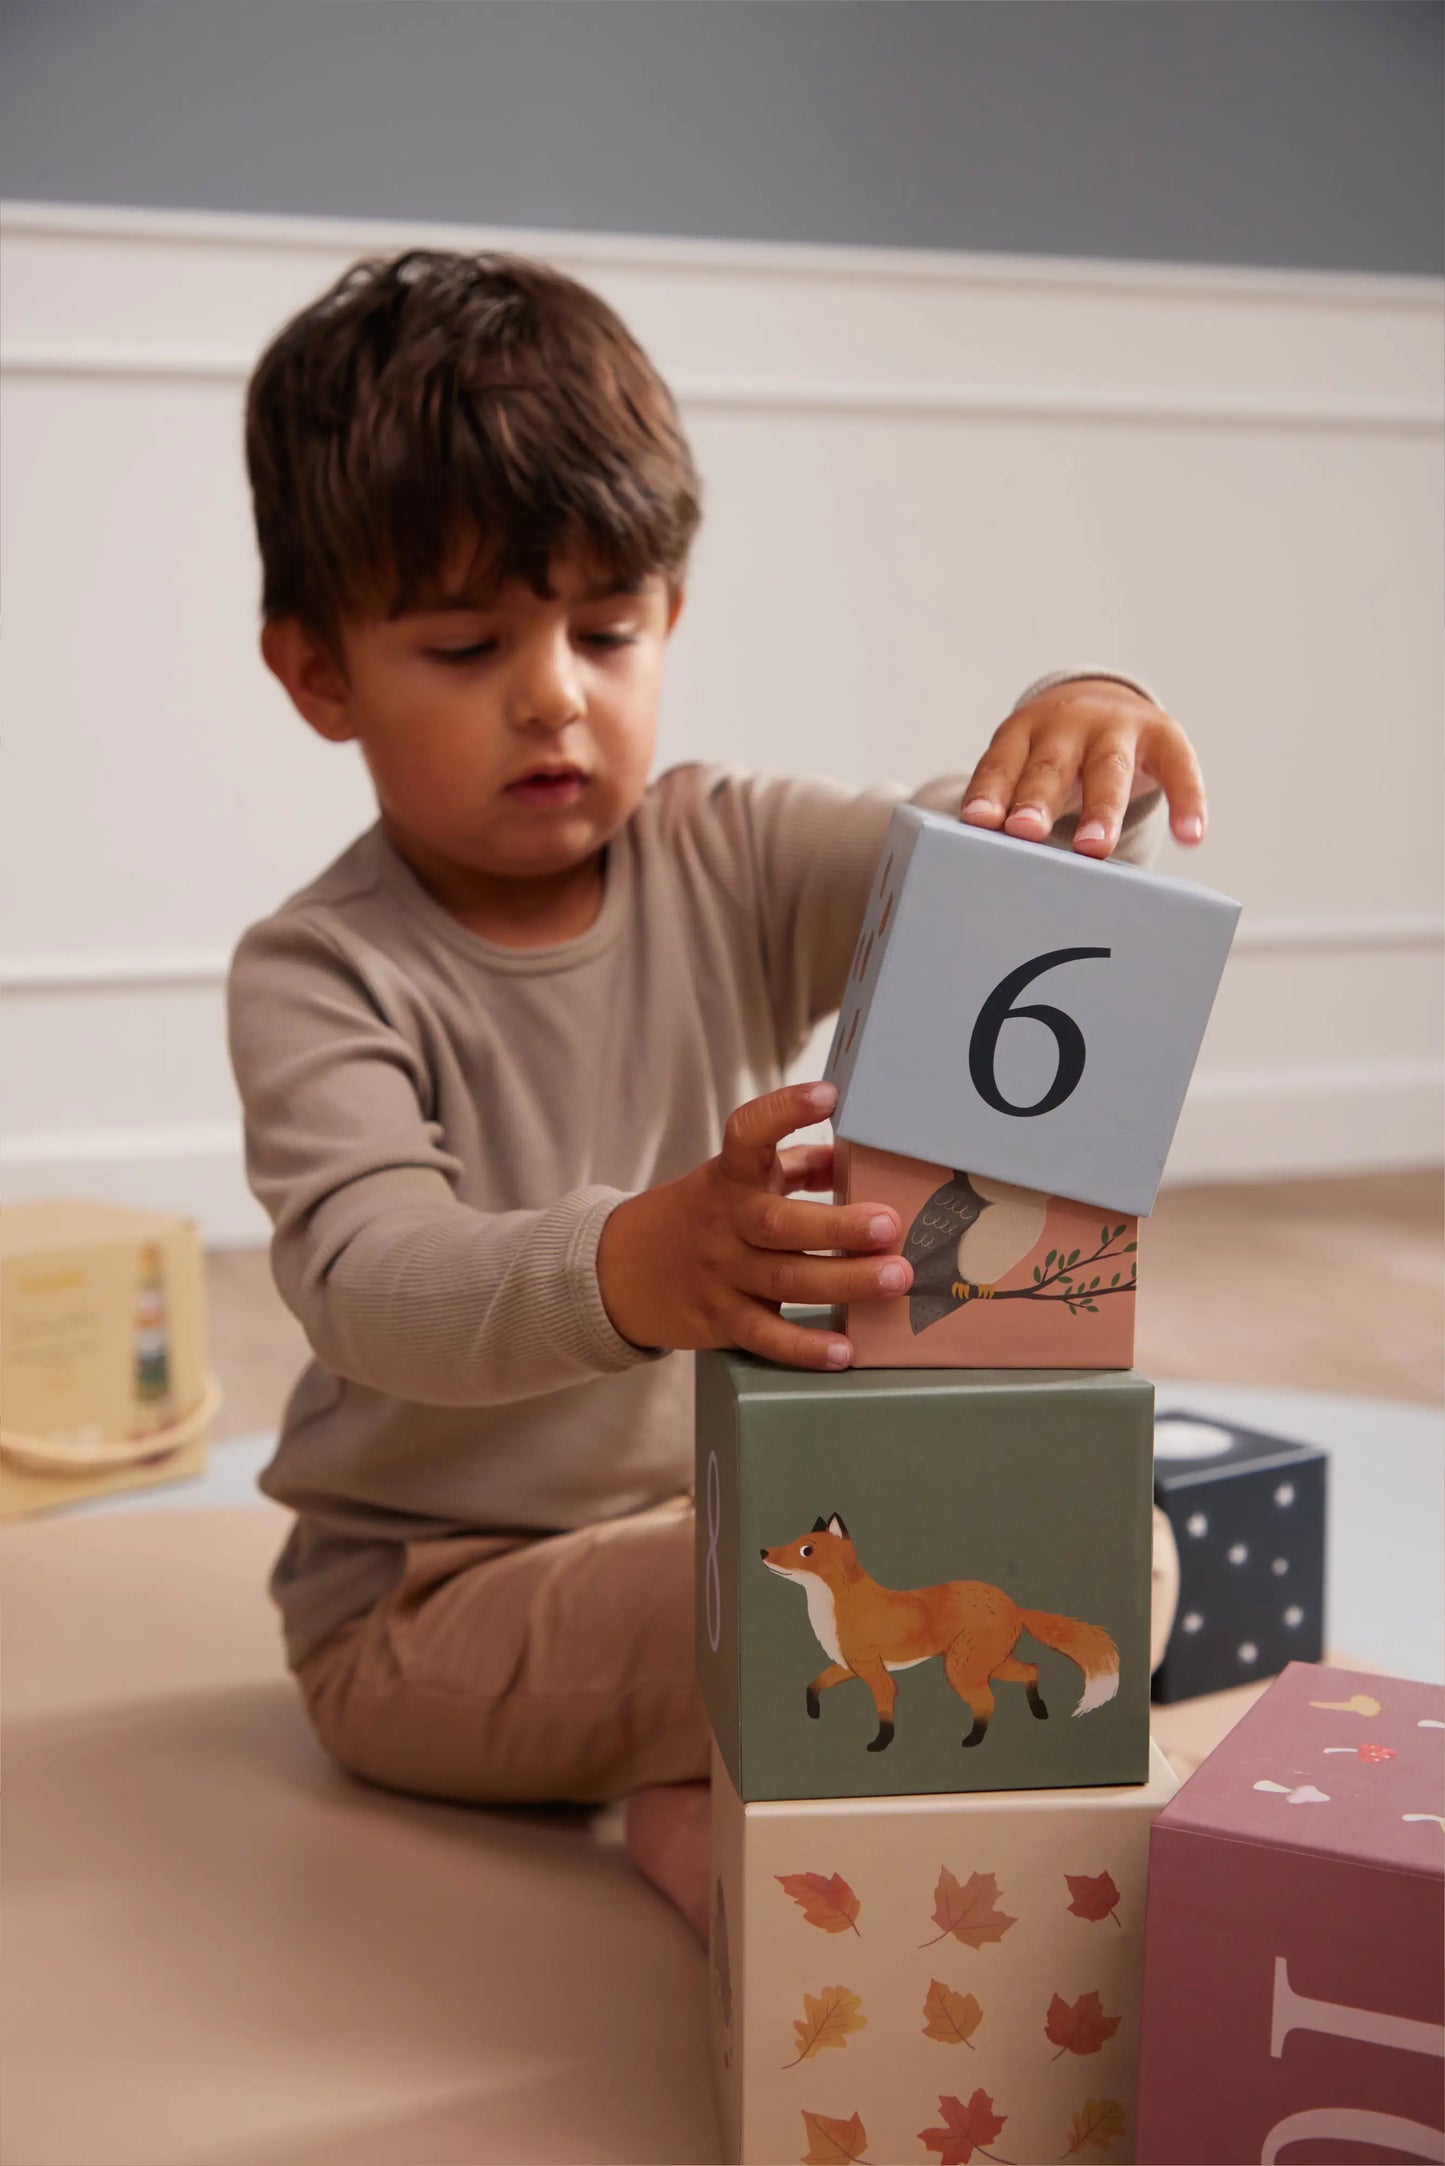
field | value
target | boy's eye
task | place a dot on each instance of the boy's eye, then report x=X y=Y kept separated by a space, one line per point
x=610 y=639
x=463 y=654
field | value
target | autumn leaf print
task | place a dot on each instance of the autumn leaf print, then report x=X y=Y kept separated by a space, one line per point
x=831 y=2143
x=951 y=2017
x=828 y=1903
x=966 y=2129
x=830 y=2016
x=1094 y=1898
x=969 y=1911
x=1084 y=2028
x=1098 y=2123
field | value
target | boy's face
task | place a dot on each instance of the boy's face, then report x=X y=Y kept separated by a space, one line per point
x=508 y=736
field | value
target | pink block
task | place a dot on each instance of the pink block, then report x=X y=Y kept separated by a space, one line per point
x=1294 y=1976
x=994 y=1286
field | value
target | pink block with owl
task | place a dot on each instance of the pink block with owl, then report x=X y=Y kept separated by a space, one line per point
x=1294 y=1974
x=1003 y=1277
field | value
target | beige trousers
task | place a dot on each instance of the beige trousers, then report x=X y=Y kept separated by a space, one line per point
x=505 y=1670
x=502 y=1670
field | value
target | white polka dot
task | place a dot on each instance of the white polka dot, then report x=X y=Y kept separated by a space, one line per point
x=1247 y=1652
x=1191 y=1622
x=1239 y=1553
x=1196 y=1524
x=1285 y=1493
x=1294 y=1615
x=1280 y=1567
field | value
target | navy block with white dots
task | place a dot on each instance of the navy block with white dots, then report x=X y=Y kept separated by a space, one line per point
x=1248 y=1514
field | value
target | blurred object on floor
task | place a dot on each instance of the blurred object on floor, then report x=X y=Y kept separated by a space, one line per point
x=103 y=1374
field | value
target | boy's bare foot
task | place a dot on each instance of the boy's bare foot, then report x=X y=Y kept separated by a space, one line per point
x=668 y=1839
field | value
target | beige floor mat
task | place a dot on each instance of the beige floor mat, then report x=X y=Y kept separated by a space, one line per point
x=220 y=1951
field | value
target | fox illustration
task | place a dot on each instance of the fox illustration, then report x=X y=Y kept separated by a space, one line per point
x=869 y=1631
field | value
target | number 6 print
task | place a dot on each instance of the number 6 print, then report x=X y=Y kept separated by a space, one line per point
x=999 y=1009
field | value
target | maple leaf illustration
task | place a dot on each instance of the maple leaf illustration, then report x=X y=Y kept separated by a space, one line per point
x=829 y=2018
x=1098 y=2123
x=966 y=2129
x=828 y=1903
x=831 y=2143
x=1093 y=1898
x=952 y=2018
x=969 y=1911
x=1080 y=2029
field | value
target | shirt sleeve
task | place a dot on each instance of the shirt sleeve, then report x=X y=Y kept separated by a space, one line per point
x=814 y=846
x=397 y=1283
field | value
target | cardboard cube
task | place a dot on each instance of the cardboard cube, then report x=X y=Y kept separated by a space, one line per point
x=1248 y=1515
x=1294 y=1979
x=103 y=1376
x=932 y=1583
x=1025 y=1012
x=894 y=1979
x=1003 y=1277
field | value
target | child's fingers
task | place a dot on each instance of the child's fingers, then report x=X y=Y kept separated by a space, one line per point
x=769 y=1275
x=781 y=1222
x=755 y=1130
x=1048 y=774
x=806 y=1165
x=1106 y=780
x=991 y=785
x=758 y=1330
x=1170 y=756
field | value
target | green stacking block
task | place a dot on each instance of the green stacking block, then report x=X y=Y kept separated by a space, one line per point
x=950 y=1554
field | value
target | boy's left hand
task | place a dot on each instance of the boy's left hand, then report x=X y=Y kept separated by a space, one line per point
x=1089 y=744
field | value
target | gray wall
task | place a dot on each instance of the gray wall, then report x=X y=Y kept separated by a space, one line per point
x=1304 y=132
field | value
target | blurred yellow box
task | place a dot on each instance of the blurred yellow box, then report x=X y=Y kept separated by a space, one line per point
x=104 y=1383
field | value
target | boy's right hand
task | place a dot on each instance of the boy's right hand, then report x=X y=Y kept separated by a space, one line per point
x=706 y=1260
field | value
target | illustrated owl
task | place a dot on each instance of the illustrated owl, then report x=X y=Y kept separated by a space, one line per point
x=968 y=1235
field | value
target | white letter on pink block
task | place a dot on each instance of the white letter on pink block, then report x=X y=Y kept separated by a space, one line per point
x=1293 y=2012
x=1345 y=2125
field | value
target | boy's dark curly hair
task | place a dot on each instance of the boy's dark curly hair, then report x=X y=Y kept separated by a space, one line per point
x=439 y=406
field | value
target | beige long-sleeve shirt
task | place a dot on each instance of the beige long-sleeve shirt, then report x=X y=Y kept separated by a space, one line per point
x=439 y=1127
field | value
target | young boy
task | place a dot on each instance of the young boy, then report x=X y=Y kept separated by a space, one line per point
x=513 y=1066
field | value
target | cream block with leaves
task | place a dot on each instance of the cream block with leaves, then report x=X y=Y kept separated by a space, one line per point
x=938 y=1977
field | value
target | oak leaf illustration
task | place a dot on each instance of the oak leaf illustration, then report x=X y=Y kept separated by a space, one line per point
x=1080 y=2029
x=966 y=2129
x=968 y=1911
x=1098 y=2123
x=1093 y=1898
x=829 y=2018
x=952 y=2018
x=831 y=2143
x=827 y=1903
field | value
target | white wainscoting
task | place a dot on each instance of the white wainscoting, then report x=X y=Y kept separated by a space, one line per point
x=930 y=477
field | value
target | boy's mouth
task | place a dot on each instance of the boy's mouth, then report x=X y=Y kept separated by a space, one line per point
x=548 y=786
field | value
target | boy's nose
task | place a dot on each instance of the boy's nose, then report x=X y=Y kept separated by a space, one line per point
x=549 y=693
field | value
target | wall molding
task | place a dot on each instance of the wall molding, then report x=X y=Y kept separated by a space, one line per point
x=924 y=400
x=1301 y=932
x=756 y=259
x=1266 y=1123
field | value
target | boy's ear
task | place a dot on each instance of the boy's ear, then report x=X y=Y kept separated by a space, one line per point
x=310 y=675
x=674 y=608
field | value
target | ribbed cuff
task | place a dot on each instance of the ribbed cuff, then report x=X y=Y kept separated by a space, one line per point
x=1071 y=676
x=594 y=1337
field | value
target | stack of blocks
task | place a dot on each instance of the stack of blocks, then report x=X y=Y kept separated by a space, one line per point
x=928 y=1889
